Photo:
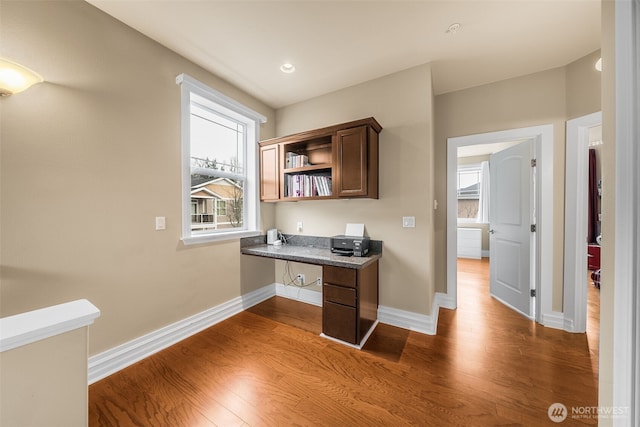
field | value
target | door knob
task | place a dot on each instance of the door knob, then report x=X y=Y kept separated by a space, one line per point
x=491 y=231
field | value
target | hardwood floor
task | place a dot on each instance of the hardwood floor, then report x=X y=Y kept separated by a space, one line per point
x=267 y=366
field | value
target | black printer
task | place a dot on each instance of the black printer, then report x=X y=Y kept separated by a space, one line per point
x=350 y=245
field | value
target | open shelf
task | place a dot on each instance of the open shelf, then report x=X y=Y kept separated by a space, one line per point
x=339 y=161
x=296 y=199
x=310 y=168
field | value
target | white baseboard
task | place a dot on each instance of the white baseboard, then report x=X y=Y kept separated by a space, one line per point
x=407 y=320
x=356 y=346
x=299 y=294
x=425 y=324
x=445 y=301
x=387 y=315
x=554 y=320
x=108 y=362
x=569 y=326
x=115 y=359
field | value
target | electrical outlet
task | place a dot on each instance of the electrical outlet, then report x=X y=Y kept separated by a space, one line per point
x=300 y=279
x=299 y=226
x=319 y=280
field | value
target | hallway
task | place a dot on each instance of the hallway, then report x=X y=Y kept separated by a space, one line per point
x=268 y=366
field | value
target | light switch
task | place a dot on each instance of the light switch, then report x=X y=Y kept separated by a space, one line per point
x=161 y=223
x=408 y=222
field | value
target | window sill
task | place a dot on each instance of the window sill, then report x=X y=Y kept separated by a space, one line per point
x=218 y=237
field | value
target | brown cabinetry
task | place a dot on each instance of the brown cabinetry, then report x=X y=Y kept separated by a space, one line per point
x=269 y=173
x=593 y=257
x=349 y=301
x=339 y=161
x=357 y=163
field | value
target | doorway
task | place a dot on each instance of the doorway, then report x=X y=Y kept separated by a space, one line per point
x=577 y=176
x=497 y=177
x=542 y=138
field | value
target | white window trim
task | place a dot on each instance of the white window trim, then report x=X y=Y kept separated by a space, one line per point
x=252 y=202
x=470 y=166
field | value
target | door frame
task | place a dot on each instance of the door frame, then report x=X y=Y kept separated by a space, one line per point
x=575 y=222
x=543 y=270
x=622 y=258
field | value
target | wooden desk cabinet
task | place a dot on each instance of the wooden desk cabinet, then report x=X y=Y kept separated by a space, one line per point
x=350 y=302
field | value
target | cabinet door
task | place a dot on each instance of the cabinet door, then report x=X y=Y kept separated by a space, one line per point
x=339 y=321
x=352 y=162
x=269 y=173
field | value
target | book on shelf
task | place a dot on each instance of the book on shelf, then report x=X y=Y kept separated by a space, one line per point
x=300 y=185
x=293 y=160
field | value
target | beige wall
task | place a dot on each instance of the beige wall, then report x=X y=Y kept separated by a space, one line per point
x=606 y=357
x=583 y=86
x=285 y=272
x=45 y=383
x=537 y=99
x=89 y=158
x=402 y=103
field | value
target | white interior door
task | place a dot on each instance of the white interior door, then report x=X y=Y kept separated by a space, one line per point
x=511 y=214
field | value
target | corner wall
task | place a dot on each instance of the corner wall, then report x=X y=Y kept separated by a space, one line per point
x=403 y=104
x=89 y=158
x=542 y=98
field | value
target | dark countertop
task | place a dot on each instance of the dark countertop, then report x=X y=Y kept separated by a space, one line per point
x=308 y=249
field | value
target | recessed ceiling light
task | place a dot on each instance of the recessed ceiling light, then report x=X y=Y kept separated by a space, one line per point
x=287 y=68
x=453 y=28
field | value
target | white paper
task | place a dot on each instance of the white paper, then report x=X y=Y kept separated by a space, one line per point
x=354 y=230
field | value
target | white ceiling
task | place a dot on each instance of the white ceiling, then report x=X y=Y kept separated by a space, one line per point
x=336 y=44
x=485 y=149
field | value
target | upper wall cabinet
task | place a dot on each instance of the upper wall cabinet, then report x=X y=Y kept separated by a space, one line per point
x=338 y=161
x=269 y=173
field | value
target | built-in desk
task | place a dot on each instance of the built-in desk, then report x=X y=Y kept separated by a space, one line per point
x=350 y=284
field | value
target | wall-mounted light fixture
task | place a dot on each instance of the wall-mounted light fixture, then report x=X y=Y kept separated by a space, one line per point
x=15 y=78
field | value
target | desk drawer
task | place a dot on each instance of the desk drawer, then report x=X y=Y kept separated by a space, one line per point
x=339 y=276
x=339 y=294
x=339 y=321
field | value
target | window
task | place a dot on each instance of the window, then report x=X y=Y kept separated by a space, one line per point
x=469 y=179
x=219 y=165
x=222 y=208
